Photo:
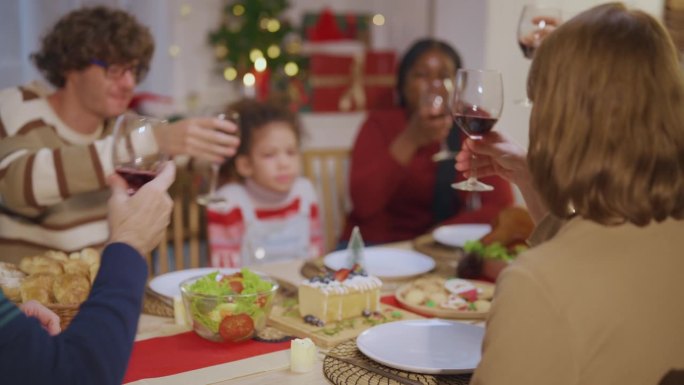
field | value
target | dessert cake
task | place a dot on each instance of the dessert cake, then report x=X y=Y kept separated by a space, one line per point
x=345 y=294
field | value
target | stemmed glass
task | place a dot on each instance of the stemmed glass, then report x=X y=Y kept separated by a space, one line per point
x=535 y=24
x=135 y=154
x=434 y=100
x=476 y=105
x=211 y=198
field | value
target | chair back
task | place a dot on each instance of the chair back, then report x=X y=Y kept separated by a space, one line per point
x=186 y=233
x=328 y=171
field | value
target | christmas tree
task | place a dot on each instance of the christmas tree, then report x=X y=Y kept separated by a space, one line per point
x=255 y=41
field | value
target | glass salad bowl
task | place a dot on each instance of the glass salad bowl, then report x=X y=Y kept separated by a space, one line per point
x=228 y=308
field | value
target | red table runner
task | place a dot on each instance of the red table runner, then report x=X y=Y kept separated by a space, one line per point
x=165 y=356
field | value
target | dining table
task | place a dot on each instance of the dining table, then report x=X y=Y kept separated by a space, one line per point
x=262 y=368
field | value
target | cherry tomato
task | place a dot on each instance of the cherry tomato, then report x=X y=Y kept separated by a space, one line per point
x=235 y=328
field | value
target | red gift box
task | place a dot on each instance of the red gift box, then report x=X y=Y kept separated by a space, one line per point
x=352 y=82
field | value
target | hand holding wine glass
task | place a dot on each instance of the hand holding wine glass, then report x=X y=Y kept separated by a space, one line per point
x=535 y=24
x=210 y=197
x=476 y=105
x=433 y=105
x=135 y=154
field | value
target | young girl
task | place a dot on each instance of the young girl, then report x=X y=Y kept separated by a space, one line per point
x=271 y=212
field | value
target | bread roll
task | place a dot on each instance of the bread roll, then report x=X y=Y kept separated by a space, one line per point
x=77 y=266
x=91 y=256
x=71 y=289
x=40 y=265
x=37 y=287
x=58 y=255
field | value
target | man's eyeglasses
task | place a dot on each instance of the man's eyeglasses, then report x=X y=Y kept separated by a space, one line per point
x=116 y=71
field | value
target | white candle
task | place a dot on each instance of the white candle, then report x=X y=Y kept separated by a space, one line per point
x=179 y=314
x=302 y=355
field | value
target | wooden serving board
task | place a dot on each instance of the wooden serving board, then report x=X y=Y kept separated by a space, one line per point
x=286 y=318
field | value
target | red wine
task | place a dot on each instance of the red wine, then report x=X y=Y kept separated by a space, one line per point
x=527 y=49
x=475 y=126
x=135 y=178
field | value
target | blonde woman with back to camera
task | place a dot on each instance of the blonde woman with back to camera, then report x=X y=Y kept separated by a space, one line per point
x=601 y=302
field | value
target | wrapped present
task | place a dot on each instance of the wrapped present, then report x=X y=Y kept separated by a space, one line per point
x=362 y=81
x=328 y=26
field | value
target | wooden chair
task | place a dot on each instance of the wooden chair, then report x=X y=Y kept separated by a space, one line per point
x=328 y=170
x=187 y=231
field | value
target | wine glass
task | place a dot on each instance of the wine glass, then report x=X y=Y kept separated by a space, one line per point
x=476 y=105
x=211 y=198
x=434 y=100
x=535 y=24
x=135 y=154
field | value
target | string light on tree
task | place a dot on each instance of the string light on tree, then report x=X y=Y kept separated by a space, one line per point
x=273 y=51
x=260 y=64
x=291 y=69
x=230 y=74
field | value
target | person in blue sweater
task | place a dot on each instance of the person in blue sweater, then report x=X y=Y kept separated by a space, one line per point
x=96 y=347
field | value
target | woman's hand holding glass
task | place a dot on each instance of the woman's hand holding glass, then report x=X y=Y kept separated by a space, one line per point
x=476 y=105
x=430 y=122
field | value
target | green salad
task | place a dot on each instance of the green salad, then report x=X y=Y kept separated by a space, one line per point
x=223 y=296
x=494 y=251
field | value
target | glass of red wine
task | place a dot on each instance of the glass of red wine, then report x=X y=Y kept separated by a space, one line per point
x=476 y=105
x=136 y=156
x=536 y=22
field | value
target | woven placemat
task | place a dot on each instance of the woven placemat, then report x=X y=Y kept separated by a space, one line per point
x=343 y=373
x=155 y=306
x=446 y=257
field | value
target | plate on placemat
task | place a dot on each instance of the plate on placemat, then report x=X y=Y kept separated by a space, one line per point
x=457 y=235
x=431 y=346
x=432 y=287
x=385 y=262
x=167 y=284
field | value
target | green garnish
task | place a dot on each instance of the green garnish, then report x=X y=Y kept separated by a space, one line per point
x=494 y=251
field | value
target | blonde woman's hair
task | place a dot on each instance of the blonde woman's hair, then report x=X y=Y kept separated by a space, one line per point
x=607 y=125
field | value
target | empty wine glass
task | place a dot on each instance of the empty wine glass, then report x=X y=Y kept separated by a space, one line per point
x=476 y=105
x=210 y=197
x=536 y=22
x=135 y=154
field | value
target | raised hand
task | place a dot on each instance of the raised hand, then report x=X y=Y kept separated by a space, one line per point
x=140 y=220
x=210 y=139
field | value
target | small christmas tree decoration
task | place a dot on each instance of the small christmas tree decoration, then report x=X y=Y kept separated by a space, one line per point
x=355 y=250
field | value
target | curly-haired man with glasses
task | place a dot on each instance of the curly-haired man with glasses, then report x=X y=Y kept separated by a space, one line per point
x=55 y=149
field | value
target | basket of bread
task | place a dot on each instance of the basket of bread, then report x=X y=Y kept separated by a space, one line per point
x=58 y=280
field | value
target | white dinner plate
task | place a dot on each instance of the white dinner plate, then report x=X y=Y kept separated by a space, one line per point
x=457 y=235
x=385 y=262
x=430 y=346
x=168 y=284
